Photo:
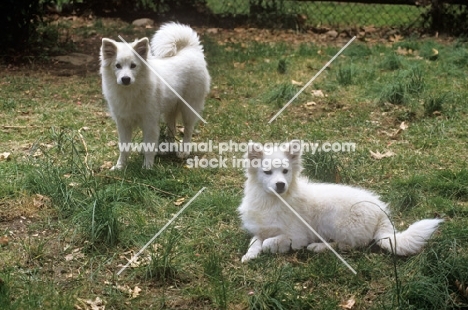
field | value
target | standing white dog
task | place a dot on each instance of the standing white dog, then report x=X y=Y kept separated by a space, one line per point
x=137 y=97
x=347 y=216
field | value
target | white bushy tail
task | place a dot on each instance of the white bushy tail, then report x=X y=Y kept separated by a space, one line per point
x=173 y=37
x=410 y=241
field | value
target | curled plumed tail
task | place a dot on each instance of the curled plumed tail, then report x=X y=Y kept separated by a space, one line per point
x=408 y=242
x=171 y=38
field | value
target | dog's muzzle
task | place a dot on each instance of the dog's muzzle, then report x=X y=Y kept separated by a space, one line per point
x=280 y=187
x=126 y=80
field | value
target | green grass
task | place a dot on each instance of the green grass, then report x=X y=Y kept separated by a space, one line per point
x=345 y=75
x=281 y=94
x=434 y=104
x=391 y=62
x=324 y=167
x=71 y=243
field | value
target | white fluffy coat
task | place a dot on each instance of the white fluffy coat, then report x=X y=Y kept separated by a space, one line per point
x=138 y=98
x=347 y=216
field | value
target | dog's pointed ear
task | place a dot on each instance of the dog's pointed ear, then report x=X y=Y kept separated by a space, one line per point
x=142 y=47
x=108 y=49
x=294 y=150
x=255 y=151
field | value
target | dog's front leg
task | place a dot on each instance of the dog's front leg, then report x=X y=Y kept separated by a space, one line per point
x=151 y=141
x=255 y=248
x=278 y=244
x=125 y=138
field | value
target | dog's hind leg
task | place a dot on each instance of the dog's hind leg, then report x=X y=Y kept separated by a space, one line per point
x=255 y=248
x=190 y=119
x=170 y=118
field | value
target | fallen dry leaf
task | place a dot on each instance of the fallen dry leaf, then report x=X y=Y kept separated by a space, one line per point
x=75 y=254
x=107 y=165
x=403 y=51
x=317 y=93
x=378 y=155
x=40 y=201
x=132 y=293
x=137 y=262
x=331 y=34
x=4 y=241
x=97 y=304
x=179 y=201
x=136 y=292
x=435 y=54
x=296 y=83
x=4 y=156
x=37 y=153
x=349 y=304
x=369 y=29
x=310 y=105
x=408 y=51
x=403 y=126
x=239 y=65
x=212 y=30
x=396 y=38
x=394 y=134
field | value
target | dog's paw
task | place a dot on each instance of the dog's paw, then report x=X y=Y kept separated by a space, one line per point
x=116 y=167
x=276 y=245
x=147 y=166
x=248 y=257
x=317 y=247
x=148 y=162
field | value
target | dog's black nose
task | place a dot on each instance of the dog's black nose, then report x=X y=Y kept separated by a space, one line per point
x=126 y=80
x=280 y=187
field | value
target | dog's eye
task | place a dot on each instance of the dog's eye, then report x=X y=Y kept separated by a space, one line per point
x=267 y=172
x=285 y=171
x=132 y=66
x=118 y=66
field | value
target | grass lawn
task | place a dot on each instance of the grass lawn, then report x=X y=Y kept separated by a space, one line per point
x=68 y=224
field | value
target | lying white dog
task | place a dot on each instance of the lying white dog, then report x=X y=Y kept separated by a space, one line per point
x=343 y=215
x=137 y=97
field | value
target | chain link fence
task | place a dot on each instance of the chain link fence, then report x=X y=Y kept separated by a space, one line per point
x=410 y=14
